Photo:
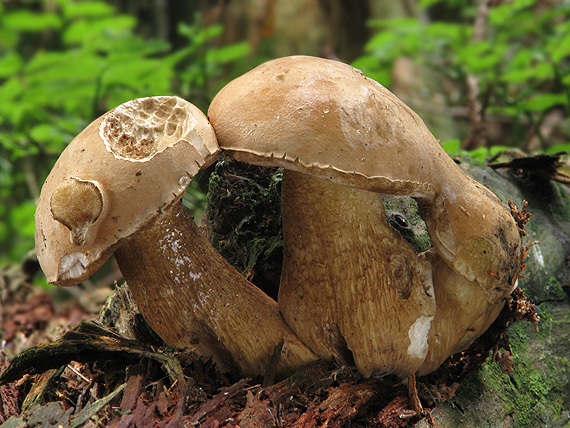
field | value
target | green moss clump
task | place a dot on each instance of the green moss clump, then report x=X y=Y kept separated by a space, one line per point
x=243 y=220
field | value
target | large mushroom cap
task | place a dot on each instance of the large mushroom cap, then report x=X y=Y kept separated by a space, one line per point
x=104 y=186
x=326 y=119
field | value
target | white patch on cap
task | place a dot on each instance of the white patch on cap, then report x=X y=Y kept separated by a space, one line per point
x=184 y=181
x=72 y=265
x=418 y=335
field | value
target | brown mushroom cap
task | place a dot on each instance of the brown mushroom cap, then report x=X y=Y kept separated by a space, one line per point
x=104 y=186
x=327 y=119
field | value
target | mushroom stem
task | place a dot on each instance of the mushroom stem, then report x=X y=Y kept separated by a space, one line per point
x=352 y=288
x=193 y=298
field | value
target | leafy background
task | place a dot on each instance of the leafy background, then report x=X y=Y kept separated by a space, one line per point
x=485 y=75
x=64 y=63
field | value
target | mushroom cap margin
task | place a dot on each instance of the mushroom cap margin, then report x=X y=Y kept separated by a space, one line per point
x=326 y=118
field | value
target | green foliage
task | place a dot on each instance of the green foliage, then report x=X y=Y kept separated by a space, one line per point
x=481 y=154
x=65 y=62
x=521 y=60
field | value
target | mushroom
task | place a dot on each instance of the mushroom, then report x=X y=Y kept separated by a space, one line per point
x=349 y=282
x=117 y=188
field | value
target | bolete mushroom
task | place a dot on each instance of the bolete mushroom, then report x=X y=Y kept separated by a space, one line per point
x=349 y=282
x=117 y=188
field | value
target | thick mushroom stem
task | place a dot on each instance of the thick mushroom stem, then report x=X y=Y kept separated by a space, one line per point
x=193 y=298
x=352 y=288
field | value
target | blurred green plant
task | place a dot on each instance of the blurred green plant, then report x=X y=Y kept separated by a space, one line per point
x=515 y=52
x=65 y=62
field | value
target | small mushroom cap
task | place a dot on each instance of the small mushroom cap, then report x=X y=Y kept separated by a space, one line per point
x=115 y=177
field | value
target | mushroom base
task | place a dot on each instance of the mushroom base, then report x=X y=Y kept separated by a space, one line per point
x=193 y=298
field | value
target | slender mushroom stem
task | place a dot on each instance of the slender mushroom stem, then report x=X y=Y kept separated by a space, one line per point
x=378 y=291
x=193 y=298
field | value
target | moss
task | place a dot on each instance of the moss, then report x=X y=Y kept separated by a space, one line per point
x=562 y=209
x=472 y=402
x=553 y=290
x=488 y=396
x=243 y=220
x=536 y=393
x=403 y=215
x=522 y=335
